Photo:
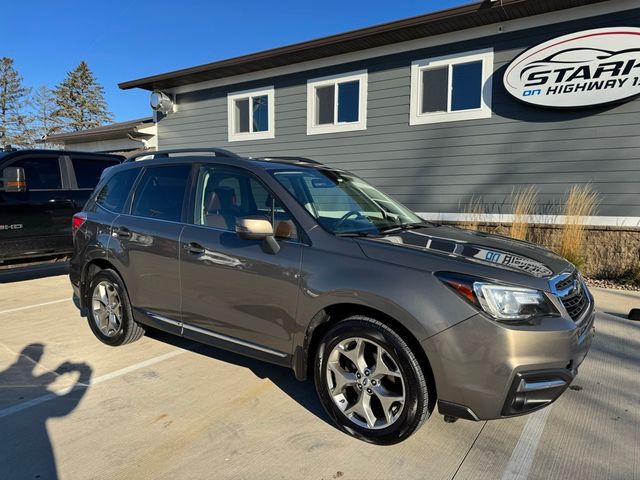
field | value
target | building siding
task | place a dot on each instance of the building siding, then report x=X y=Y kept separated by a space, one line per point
x=440 y=167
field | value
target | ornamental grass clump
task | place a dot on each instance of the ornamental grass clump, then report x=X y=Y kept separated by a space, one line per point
x=524 y=205
x=473 y=212
x=582 y=202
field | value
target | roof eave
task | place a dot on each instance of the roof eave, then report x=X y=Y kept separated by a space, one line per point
x=436 y=23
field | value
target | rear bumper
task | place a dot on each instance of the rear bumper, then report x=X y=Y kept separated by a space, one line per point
x=485 y=370
x=77 y=299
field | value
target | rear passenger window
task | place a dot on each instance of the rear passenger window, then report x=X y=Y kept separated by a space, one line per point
x=160 y=193
x=41 y=173
x=88 y=170
x=115 y=192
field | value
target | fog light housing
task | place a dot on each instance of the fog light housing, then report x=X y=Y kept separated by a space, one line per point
x=534 y=390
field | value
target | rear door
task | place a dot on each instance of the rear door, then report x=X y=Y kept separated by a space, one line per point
x=38 y=221
x=144 y=244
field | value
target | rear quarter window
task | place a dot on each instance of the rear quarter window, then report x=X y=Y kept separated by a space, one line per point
x=88 y=170
x=113 y=195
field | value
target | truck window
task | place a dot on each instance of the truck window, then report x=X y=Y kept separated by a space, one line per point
x=40 y=173
x=115 y=192
x=88 y=170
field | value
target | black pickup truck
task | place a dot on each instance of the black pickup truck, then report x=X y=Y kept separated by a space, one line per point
x=40 y=190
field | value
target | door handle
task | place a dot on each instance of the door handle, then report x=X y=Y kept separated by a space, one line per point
x=123 y=232
x=194 y=248
x=59 y=200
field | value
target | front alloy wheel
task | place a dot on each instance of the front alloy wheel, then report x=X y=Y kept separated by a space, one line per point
x=365 y=383
x=370 y=382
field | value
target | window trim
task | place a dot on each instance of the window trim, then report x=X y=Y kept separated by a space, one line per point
x=418 y=66
x=234 y=136
x=361 y=76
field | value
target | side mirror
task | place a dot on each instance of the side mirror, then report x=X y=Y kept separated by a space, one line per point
x=13 y=179
x=257 y=228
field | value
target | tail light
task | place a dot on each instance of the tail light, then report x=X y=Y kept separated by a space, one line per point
x=77 y=221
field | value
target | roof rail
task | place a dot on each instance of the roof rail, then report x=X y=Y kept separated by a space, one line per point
x=290 y=159
x=219 y=152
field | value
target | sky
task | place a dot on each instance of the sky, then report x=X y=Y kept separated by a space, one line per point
x=125 y=40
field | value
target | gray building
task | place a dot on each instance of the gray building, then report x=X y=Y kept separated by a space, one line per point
x=419 y=107
x=122 y=137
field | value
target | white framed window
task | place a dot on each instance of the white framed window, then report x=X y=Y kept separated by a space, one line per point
x=251 y=114
x=451 y=88
x=337 y=103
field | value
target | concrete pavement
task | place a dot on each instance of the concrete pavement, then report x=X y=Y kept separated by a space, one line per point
x=166 y=408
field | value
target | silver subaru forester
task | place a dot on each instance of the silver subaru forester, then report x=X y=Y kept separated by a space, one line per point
x=303 y=265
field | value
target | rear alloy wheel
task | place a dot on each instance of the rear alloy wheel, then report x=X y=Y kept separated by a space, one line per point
x=370 y=382
x=106 y=307
x=110 y=316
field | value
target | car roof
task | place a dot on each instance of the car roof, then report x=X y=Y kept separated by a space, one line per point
x=260 y=163
x=220 y=156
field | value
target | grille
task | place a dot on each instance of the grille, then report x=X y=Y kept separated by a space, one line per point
x=567 y=282
x=576 y=301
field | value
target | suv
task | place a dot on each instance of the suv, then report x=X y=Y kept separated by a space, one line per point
x=307 y=266
x=40 y=190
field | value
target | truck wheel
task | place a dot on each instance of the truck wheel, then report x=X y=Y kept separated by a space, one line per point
x=370 y=382
x=109 y=310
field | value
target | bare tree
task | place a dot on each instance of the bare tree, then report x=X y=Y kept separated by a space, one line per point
x=45 y=122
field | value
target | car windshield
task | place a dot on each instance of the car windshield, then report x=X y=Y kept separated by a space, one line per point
x=345 y=204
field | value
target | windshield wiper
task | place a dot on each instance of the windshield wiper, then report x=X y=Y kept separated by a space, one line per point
x=403 y=226
x=353 y=234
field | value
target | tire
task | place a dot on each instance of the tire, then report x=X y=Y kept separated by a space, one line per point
x=117 y=327
x=398 y=375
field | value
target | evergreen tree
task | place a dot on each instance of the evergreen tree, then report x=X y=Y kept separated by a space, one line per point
x=45 y=123
x=80 y=100
x=14 y=119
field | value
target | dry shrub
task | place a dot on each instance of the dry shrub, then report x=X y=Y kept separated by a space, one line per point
x=582 y=201
x=524 y=205
x=475 y=209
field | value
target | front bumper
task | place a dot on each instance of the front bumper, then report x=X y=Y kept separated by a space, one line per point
x=486 y=370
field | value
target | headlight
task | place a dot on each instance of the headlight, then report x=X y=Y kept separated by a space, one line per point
x=502 y=302
x=510 y=303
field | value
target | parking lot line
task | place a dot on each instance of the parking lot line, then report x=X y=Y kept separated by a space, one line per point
x=19 y=407
x=525 y=450
x=11 y=310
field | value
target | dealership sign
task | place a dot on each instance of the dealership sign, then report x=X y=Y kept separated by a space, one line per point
x=592 y=67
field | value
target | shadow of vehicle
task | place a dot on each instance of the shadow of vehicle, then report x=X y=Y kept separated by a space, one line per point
x=20 y=273
x=303 y=393
x=26 y=403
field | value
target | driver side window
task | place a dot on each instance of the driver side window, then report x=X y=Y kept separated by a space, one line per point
x=223 y=195
x=41 y=173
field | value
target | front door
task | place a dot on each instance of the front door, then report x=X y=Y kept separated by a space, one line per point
x=37 y=221
x=235 y=293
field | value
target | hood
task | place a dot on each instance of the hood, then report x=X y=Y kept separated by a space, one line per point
x=484 y=248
